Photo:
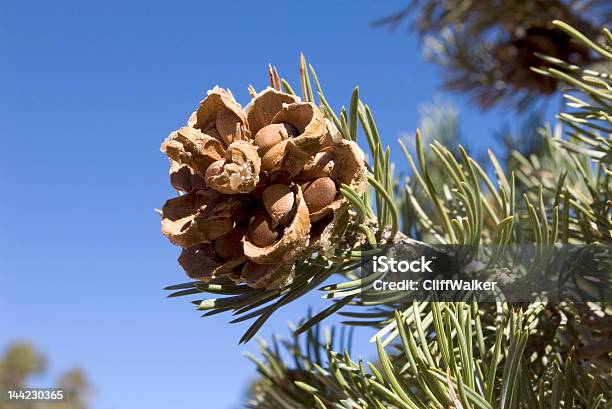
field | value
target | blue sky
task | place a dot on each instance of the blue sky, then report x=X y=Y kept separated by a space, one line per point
x=89 y=91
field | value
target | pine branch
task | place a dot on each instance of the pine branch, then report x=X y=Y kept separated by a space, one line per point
x=454 y=201
x=469 y=363
x=466 y=355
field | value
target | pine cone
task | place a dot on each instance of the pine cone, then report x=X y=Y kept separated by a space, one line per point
x=517 y=55
x=260 y=187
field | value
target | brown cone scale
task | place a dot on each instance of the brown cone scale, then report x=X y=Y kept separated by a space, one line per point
x=229 y=245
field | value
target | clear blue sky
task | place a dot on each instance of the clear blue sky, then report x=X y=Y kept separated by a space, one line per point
x=88 y=92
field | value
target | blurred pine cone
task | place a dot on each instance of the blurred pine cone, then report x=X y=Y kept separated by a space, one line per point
x=260 y=187
x=486 y=47
x=517 y=55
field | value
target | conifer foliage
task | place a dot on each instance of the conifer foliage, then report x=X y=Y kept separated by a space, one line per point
x=441 y=354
